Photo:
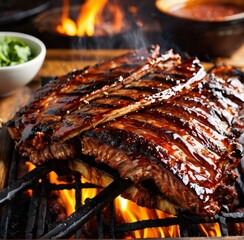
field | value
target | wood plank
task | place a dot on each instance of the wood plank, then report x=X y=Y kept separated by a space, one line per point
x=8 y=106
x=237 y=59
x=6 y=147
x=60 y=62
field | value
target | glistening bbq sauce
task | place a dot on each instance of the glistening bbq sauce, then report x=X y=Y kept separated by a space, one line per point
x=206 y=11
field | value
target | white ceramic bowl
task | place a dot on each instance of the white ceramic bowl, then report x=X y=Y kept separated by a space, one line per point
x=13 y=77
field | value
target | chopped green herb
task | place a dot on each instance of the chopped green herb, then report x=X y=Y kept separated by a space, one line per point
x=13 y=51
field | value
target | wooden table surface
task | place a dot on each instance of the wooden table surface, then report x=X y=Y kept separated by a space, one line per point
x=59 y=62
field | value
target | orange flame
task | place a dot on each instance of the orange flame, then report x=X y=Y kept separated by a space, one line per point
x=29 y=167
x=87 y=19
x=67 y=196
x=210 y=230
x=131 y=212
x=67 y=25
x=92 y=20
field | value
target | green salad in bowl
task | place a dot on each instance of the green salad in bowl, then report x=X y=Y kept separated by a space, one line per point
x=14 y=51
x=21 y=57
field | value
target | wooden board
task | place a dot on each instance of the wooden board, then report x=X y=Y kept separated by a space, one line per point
x=60 y=62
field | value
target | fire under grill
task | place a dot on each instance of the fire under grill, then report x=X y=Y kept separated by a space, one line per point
x=29 y=216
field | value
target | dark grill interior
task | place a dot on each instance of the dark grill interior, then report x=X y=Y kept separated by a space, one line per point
x=31 y=218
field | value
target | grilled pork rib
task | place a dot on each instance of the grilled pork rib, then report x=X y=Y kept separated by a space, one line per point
x=140 y=194
x=148 y=116
x=188 y=147
x=44 y=133
x=73 y=91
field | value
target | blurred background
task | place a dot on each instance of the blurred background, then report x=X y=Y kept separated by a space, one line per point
x=132 y=24
x=117 y=24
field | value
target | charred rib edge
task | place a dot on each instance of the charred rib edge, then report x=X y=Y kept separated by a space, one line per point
x=103 y=179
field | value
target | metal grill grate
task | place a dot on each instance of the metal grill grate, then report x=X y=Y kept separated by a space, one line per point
x=39 y=223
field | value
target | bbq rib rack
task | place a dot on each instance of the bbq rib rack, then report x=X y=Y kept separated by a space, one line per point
x=156 y=129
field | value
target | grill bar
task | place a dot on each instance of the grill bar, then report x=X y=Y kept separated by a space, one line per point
x=8 y=193
x=112 y=220
x=43 y=209
x=32 y=213
x=223 y=226
x=78 y=197
x=235 y=216
x=100 y=230
x=91 y=208
x=183 y=228
x=38 y=226
x=128 y=227
x=7 y=211
x=5 y=221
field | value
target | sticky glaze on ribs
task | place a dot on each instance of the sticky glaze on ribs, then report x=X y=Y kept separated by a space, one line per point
x=148 y=116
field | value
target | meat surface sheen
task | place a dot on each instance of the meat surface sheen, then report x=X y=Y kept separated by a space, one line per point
x=52 y=104
x=38 y=129
x=189 y=147
x=149 y=116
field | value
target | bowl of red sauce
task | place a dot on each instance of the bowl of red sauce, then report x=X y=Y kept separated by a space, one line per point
x=210 y=28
